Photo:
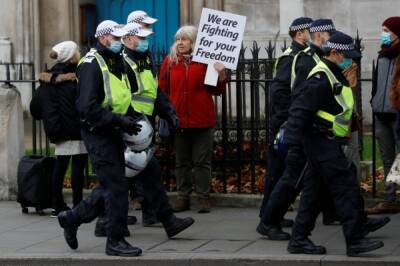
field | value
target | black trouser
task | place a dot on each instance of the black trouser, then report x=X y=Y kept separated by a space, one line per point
x=106 y=153
x=154 y=194
x=276 y=167
x=57 y=183
x=329 y=169
x=284 y=193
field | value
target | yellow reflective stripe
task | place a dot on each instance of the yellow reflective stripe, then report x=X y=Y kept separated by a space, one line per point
x=285 y=53
x=327 y=116
x=106 y=78
x=293 y=72
x=137 y=75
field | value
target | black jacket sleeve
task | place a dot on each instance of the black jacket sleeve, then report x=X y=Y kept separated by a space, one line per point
x=90 y=97
x=162 y=106
x=280 y=93
x=304 y=108
x=304 y=65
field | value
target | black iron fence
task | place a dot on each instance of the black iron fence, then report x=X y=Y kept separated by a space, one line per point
x=241 y=134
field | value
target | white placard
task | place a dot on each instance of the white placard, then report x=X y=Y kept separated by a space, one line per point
x=219 y=38
x=211 y=76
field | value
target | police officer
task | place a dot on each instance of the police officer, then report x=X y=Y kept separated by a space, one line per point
x=142 y=18
x=320 y=121
x=280 y=100
x=148 y=99
x=104 y=106
x=288 y=187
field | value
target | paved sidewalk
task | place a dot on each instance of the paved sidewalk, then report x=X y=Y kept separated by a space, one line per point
x=226 y=236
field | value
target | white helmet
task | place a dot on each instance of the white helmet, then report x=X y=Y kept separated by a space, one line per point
x=135 y=162
x=143 y=139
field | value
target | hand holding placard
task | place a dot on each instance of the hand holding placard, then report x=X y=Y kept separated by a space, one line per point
x=219 y=39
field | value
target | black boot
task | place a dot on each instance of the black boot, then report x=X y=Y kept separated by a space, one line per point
x=131 y=220
x=373 y=224
x=175 y=225
x=304 y=246
x=148 y=218
x=100 y=229
x=272 y=232
x=121 y=248
x=70 y=229
x=361 y=246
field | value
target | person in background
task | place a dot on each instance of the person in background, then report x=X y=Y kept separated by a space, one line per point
x=183 y=81
x=385 y=98
x=54 y=102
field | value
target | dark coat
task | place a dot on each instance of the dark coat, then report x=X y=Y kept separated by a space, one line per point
x=54 y=103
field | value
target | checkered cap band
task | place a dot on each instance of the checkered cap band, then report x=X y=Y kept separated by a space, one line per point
x=103 y=32
x=320 y=28
x=136 y=19
x=134 y=31
x=340 y=46
x=300 y=27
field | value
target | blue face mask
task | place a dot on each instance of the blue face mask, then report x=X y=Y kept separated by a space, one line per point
x=115 y=47
x=345 y=64
x=142 y=47
x=386 y=38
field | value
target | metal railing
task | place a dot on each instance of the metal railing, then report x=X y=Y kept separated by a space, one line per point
x=241 y=133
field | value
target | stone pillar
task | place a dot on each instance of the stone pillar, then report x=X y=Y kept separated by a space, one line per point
x=11 y=140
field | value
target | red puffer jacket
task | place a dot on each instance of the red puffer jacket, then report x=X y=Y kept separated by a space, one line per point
x=188 y=93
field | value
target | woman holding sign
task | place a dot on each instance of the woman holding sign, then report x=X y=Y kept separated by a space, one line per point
x=183 y=81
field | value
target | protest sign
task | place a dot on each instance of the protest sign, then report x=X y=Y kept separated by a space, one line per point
x=219 y=39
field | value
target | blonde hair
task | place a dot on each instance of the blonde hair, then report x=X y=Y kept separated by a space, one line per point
x=189 y=32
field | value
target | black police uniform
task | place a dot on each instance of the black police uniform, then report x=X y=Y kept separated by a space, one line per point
x=105 y=147
x=149 y=187
x=289 y=186
x=280 y=103
x=327 y=164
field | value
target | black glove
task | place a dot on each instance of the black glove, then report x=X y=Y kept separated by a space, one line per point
x=173 y=121
x=129 y=125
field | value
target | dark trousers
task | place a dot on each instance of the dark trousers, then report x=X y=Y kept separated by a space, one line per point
x=194 y=150
x=329 y=169
x=275 y=169
x=106 y=153
x=284 y=192
x=154 y=194
x=57 y=183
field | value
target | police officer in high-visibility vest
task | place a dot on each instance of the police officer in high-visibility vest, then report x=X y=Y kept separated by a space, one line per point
x=105 y=109
x=146 y=100
x=288 y=186
x=280 y=100
x=320 y=122
x=320 y=31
